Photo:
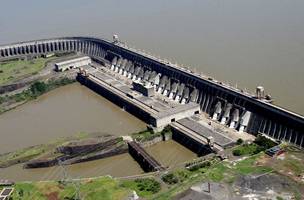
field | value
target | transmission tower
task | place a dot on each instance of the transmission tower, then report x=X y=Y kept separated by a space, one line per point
x=67 y=179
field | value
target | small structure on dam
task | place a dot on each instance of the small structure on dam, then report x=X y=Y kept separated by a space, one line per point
x=178 y=92
x=72 y=63
x=143 y=88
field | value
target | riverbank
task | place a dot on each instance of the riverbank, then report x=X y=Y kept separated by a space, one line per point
x=32 y=152
x=245 y=177
x=17 y=74
x=233 y=178
x=79 y=148
x=8 y=102
x=25 y=78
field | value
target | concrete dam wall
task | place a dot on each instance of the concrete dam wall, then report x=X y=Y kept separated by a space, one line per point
x=229 y=106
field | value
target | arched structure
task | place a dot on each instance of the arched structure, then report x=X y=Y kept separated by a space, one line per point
x=230 y=106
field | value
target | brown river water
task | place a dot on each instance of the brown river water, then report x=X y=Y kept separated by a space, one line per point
x=169 y=154
x=67 y=111
x=245 y=43
x=63 y=112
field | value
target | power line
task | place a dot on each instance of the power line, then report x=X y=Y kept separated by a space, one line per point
x=67 y=179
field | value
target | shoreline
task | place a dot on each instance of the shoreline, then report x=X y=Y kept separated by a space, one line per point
x=11 y=102
x=78 y=148
x=15 y=93
x=185 y=181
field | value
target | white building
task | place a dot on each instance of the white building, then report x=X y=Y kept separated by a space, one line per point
x=72 y=63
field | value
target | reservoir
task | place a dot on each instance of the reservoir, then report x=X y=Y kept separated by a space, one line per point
x=244 y=43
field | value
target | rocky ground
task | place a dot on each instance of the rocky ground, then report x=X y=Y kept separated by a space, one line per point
x=261 y=187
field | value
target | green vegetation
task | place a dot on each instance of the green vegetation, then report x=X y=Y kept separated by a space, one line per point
x=105 y=188
x=199 y=165
x=36 y=89
x=39 y=88
x=99 y=189
x=264 y=142
x=249 y=166
x=149 y=134
x=145 y=135
x=290 y=163
x=177 y=181
x=20 y=156
x=246 y=149
x=170 y=178
x=176 y=176
x=215 y=170
x=296 y=166
x=261 y=143
x=26 y=191
x=166 y=130
x=217 y=173
x=144 y=187
x=14 y=70
x=239 y=141
x=26 y=154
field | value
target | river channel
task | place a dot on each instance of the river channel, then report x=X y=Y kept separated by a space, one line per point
x=67 y=111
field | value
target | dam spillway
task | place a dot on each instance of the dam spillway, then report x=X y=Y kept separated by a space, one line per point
x=232 y=107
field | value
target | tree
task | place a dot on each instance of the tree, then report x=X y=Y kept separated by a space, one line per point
x=38 y=88
x=239 y=141
x=170 y=179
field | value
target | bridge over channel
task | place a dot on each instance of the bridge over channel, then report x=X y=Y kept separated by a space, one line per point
x=146 y=161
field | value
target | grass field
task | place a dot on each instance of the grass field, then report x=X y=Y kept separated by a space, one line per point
x=104 y=188
x=14 y=70
x=108 y=188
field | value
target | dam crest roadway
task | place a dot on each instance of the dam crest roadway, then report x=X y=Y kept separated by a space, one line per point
x=161 y=93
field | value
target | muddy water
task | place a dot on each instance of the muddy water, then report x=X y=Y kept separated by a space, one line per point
x=247 y=43
x=69 y=110
x=118 y=166
x=170 y=153
x=63 y=112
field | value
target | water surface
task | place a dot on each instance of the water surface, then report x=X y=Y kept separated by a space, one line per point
x=170 y=153
x=63 y=112
x=118 y=166
x=245 y=43
x=69 y=110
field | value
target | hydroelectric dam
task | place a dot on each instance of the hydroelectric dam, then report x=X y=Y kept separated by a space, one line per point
x=162 y=93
